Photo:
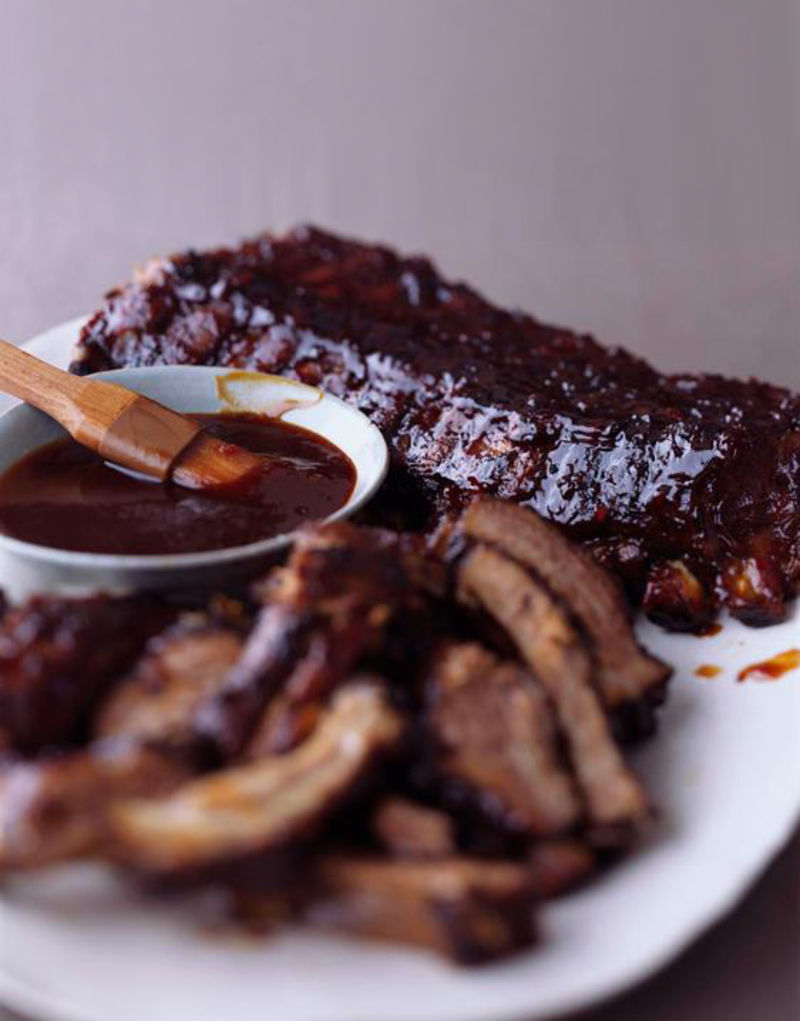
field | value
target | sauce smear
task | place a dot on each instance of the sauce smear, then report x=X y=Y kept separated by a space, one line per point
x=708 y=670
x=64 y=496
x=771 y=669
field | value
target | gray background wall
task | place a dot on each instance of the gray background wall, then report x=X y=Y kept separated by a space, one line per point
x=626 y=166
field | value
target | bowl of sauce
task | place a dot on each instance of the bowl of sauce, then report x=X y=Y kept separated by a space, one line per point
x=71 y=522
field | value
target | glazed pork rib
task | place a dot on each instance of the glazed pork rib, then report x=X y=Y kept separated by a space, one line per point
x=55 y=809
x=144 y=744
x=625 y=671
x=492 y=731
x=688 y=486
x=345 y=595
x=181 y=671
x=555 y=652
x=264 y=806
x=470 y=911
x=59 y=656
x=413 y=831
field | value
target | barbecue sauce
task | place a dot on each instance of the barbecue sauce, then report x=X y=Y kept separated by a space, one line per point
x=771 y=669
x=62 y=495
x=708 y=670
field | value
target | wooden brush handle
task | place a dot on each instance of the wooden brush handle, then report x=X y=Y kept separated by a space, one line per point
x=45 y=387
x=120 y=425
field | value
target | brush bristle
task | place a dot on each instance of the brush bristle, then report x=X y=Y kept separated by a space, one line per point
x=210 y=463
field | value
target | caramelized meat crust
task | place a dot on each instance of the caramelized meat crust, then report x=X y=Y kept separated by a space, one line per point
x=476 y=399
x=361 y=593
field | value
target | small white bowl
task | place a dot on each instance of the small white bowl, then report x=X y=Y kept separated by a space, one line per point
x=26 y=567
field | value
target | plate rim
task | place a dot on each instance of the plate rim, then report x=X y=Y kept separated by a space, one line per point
x=16 y=994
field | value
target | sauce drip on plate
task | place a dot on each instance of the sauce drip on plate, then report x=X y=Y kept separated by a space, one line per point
x=708 y=631
x=771 y=669
x=62 y=495
x=708 y=670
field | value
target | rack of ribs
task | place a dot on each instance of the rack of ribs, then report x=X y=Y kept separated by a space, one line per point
x=687 y=486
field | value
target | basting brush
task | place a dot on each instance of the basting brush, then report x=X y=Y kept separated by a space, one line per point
x=126 y=429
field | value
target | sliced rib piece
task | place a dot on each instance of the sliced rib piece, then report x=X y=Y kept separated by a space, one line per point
x=362 y=592
x=408 y=829
x=339 y=564
x=180 y=671
x=55 y=809
x=469 y=910
x=58 y=656
x=265 y=805
x=492 y=729
x=556 y=866
x=555 y=652
x=334 y=648
x=280 y=636
x=625 y=671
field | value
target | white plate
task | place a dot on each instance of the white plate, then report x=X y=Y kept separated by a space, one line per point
x=724 y=772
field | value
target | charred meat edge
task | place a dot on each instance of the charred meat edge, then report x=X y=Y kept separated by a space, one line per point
x=280 y=636
x=266 y=804
x=554 y=651
x=332 y=653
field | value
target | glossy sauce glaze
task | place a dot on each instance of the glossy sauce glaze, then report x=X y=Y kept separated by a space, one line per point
x=687 y=486
x=64 y=496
